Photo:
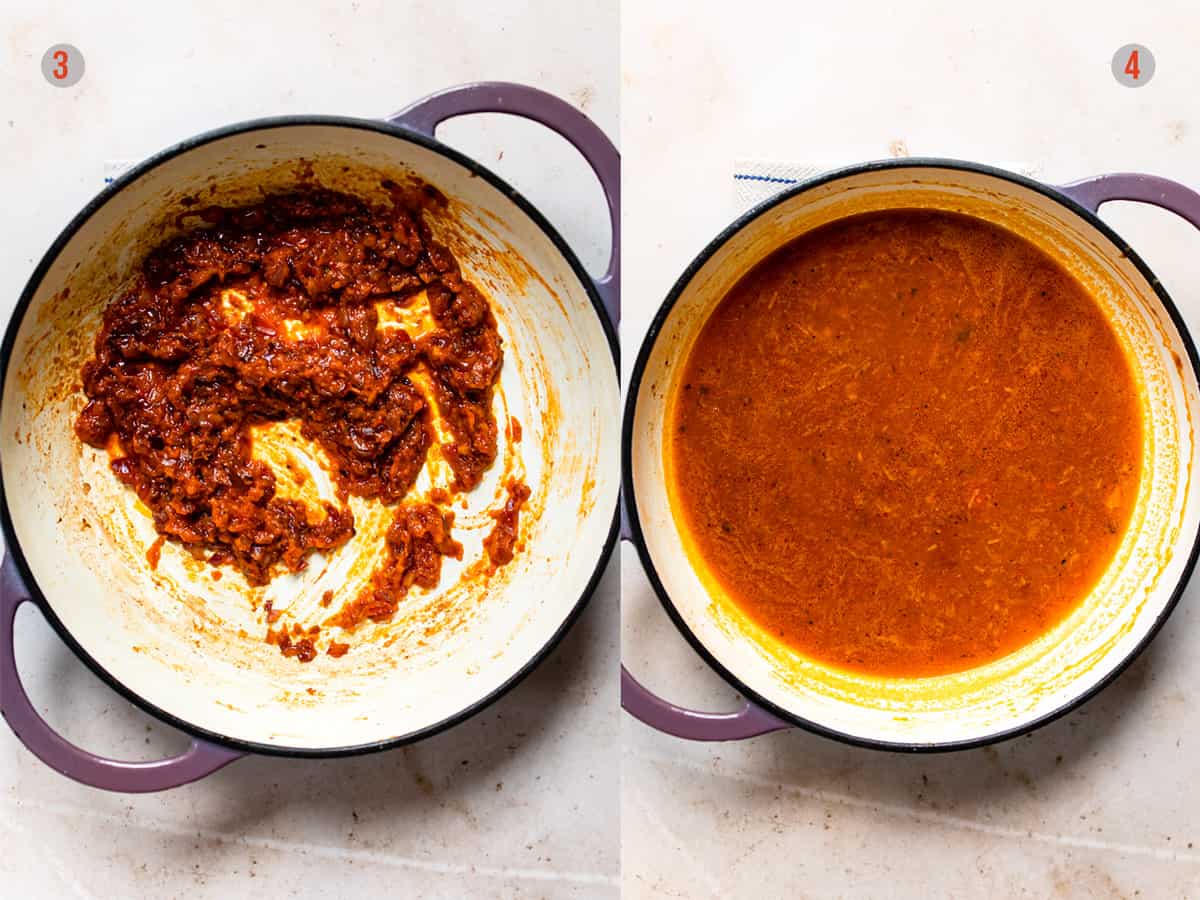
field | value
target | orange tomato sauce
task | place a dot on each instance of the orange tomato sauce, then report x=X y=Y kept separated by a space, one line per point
x=906 y=444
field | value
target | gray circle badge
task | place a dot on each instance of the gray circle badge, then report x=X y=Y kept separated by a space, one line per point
x=62 y=65
x=1133 y=65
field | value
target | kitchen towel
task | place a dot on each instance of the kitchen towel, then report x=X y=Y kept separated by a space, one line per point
x=755 y=180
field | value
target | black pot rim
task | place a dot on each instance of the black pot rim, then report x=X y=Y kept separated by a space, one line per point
x=6 y=350
x=637 y=536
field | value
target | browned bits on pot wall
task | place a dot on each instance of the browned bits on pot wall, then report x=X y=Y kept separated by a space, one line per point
x=417 y=540
x=502 y=539
x=155 y=552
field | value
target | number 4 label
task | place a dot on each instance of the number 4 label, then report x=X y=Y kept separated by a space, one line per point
x=1133 y=65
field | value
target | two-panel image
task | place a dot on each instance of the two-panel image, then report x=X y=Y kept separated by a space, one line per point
x=644 y=450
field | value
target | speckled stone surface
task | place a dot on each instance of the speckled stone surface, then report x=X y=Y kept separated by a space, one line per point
x=1097 y=805
x=522 y=800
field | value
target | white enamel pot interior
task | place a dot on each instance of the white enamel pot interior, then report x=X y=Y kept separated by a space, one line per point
x=189 y=648
x=1062 y=667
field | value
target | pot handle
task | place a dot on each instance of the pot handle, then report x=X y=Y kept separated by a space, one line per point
x=424 y=116
x=662 y=715
x=1153 y=189
x=200 y=759
x=693 y=725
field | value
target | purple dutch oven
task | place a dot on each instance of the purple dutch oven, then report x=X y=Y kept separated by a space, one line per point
x=188 y=649
x=1055 y=673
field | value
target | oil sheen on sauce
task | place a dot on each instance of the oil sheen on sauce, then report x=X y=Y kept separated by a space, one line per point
x=906 y=444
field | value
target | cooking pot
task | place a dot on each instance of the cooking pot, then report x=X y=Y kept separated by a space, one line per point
x=1044 y=679
x=188 y=648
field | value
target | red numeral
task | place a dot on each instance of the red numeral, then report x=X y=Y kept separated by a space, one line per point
x=1131 y=67
x=60 y=71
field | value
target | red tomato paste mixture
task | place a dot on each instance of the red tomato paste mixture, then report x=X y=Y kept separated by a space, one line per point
x=272 y=313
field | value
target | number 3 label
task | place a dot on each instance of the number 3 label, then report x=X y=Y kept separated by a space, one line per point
x=62 y=65
x=1133 y=65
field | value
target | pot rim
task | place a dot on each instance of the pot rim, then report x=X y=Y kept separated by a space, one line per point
x=6 y=348
x=637 y=536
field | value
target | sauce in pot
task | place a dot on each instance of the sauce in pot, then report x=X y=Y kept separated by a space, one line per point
x=906 y=444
